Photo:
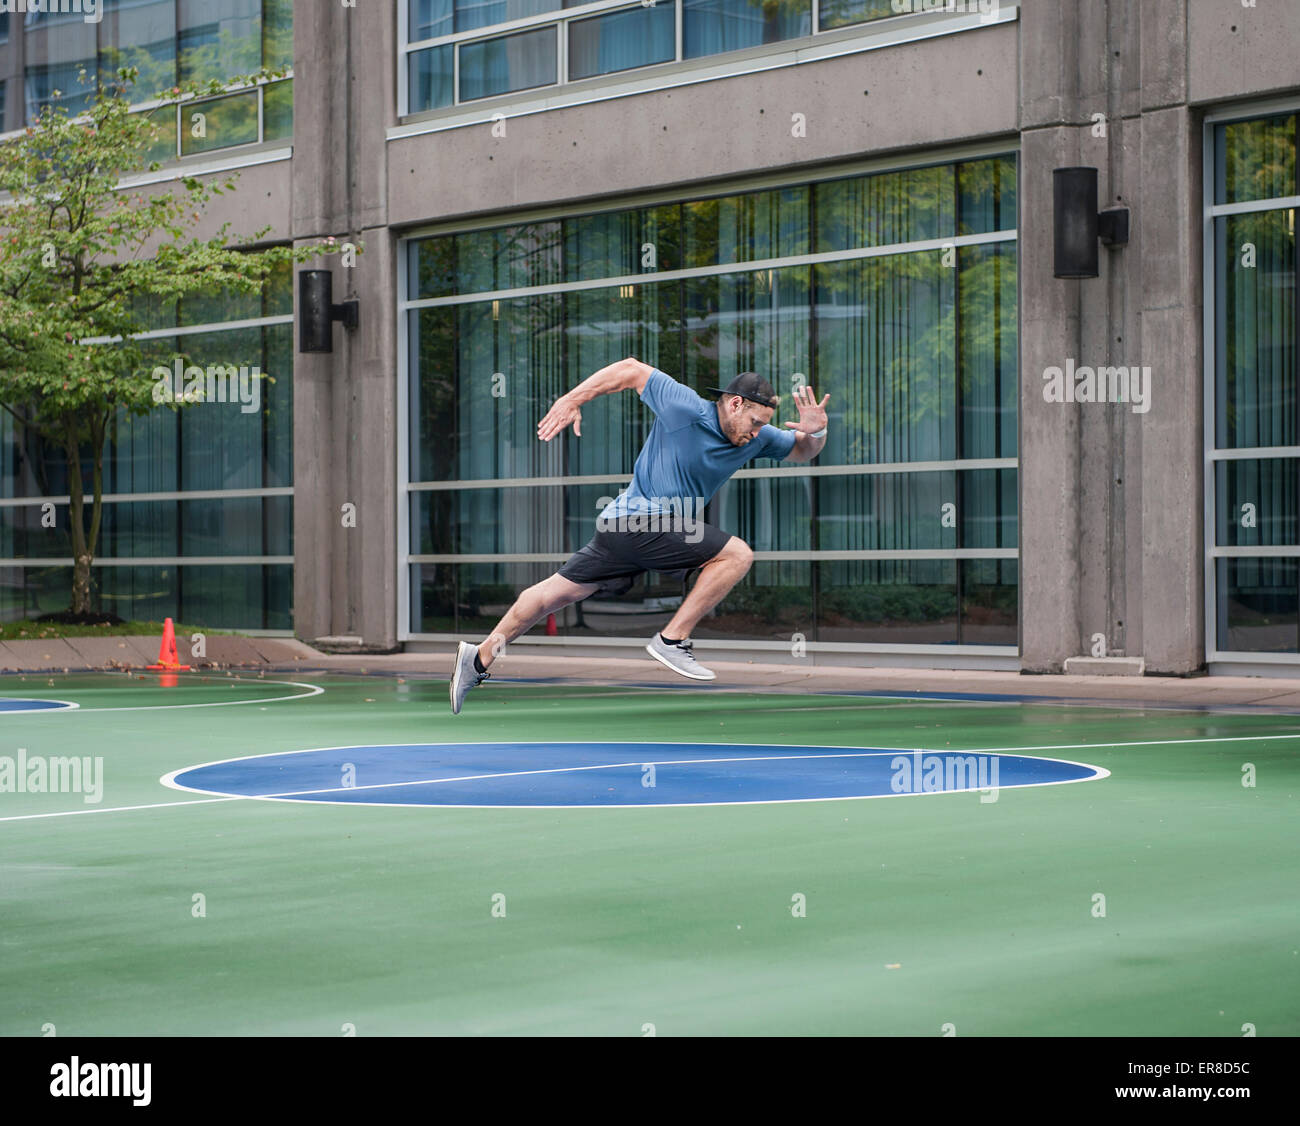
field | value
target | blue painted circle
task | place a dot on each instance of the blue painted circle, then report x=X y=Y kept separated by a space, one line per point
x=614 y=774
x=9 y=704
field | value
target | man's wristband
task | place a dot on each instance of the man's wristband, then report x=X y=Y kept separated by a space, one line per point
x=820 y=433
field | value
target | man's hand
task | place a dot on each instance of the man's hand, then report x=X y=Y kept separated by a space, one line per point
x=812 y=414
x=563 y=412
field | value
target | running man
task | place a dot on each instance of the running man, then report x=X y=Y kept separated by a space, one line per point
x=694 y=446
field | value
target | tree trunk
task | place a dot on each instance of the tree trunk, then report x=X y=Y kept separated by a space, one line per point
x=81 y=555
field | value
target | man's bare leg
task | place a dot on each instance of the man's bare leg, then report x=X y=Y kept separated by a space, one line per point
x=530 y=607
x=716 y=578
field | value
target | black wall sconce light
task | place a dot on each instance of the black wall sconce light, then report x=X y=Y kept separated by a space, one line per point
x=317 y=311
x=1077 y=225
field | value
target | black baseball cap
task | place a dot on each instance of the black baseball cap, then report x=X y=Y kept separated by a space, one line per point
x=752 y=386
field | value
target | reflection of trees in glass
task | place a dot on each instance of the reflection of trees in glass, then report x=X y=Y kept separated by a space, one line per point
x=842 y=13
x=885 y=208
x=217 y=52
x=886 y=340
x=1257 y=159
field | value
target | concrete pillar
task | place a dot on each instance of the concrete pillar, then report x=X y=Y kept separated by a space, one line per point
x=345 y=402
x=1111 y=521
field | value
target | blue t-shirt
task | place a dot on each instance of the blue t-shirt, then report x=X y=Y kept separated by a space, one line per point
x=687 y=458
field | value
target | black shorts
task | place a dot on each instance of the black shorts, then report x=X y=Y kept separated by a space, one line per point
x=613 y=560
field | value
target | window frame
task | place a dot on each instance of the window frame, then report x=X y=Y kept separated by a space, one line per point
x=1213 y=456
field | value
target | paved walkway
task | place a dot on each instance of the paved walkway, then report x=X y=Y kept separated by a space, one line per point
x=287 y=655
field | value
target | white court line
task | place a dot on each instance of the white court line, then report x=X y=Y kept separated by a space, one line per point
x=169 y=779
x=115 y=809
x=312 y=690
x=68 y=705
x=296 y=796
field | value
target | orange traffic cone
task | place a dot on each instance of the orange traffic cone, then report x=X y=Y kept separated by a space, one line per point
x=551 y=631
x=167 y=658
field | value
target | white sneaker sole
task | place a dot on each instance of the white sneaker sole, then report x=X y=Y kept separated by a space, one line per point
x=456 y=676
x=703 y=674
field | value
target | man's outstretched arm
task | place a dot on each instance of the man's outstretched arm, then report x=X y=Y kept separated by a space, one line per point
x=623 y=375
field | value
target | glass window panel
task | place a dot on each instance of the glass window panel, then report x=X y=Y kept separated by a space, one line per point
x=23 y=537
x=519 y=340
x=221 y=442
x=768 y=513
x=147 y=529
x=141 y=35
x=470 y=598
x=252 y=596
x=772 y=602
x=142 y=452
x=484 y=13
x=754 y=321
x=885 y=511
x=746 y=228
x=429 y=19
x=713 y=26
x=583 y=504
x=163 y=147
x=886 y=355
x=470 y=425
x=893 y=601
x=27 y=592
x=602 y=326
x=842 y=13
x=987 y=342
x=219 y=305
x=433 y=394
x=237 y=526
x=1255 y=159
x=431 y=78
x=990 y=592
x=55 y=51
x=1255 y=330
x=219 y=39
x=1259 y=605
x=622 y=40
x=509 y=257
x=885 y=208
x=277 y=111
x=988 y=508
x=621 y=243
x=1269 y=486
x=219 y=124
x=277 y=406
x=277 y=34
x=432 y=265
x=986 y=199
x=277 y=292
x=512 y=62
x=246 y=596
x=139 y=594
x=525 y=518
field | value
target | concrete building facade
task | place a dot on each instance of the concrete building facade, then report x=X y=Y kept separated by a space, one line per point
x=1128 y=532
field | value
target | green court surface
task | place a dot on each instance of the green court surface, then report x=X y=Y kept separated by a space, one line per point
x=920 y=911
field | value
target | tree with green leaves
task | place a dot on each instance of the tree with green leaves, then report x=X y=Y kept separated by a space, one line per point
x=82 y=262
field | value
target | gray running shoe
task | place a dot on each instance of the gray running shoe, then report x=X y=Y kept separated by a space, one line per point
x=464 y=676
x=679 y=658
